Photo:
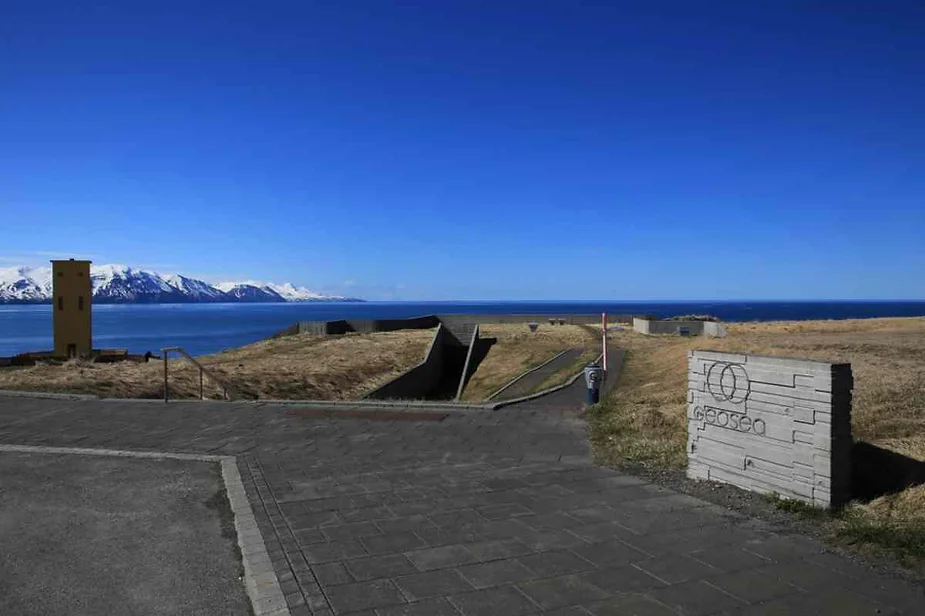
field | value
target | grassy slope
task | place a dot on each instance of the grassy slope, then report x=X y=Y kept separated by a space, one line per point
x=305 y=366
x=518 y=350
x=643 y=419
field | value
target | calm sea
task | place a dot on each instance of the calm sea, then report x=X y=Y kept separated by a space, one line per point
x=207 y=328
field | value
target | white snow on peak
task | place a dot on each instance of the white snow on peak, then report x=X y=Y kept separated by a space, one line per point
x=120 y=283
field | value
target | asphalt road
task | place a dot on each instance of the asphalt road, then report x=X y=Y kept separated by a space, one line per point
x=83 y=534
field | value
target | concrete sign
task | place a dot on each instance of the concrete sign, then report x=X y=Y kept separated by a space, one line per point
x=770 y=424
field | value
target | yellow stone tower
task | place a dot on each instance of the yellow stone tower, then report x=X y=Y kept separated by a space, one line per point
x=72 y=295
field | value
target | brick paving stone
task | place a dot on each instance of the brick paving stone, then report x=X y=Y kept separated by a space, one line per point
x=375 y=567
x=314 y=519
x=753 y=586
x=502 y=511
x=695 y=598
x=610 y=553
x=392 y=543
x=557 y=562
x=590 y=515
x=505 y=600
x=730 y=558
x=341 y=532
x=366 y=514
x=331 y=574
x=442 y=557
x=627 y=578
x=504 y=484
x=295 y=599
x=456 y=518
x=630 y=604
x=428 y=607
x=574 y=610
x=781 y=549
x=843 y=602
x=333 y=550
x=435 y=537
x=364 y=595
x=561 y=591
x=553 y=539
x=495 y=549
x=556 y=520
x=497 y=573
x=676 y=568
x=442 y=582
x=406 y=524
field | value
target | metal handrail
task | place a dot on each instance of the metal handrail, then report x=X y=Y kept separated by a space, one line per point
x=226 y=389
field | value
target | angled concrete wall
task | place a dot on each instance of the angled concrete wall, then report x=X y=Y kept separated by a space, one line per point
x=418 y=382
x=467 y=370
x=771 y=424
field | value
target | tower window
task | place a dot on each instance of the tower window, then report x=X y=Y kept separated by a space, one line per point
x=80 y=302
x=60 y=303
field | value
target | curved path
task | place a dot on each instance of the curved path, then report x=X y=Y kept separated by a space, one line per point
x=471 y=513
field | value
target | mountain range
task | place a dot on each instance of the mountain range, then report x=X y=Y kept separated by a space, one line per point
x=118 y=284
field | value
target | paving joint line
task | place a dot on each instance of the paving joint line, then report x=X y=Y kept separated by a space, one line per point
x=259 y=469
x=263 y=590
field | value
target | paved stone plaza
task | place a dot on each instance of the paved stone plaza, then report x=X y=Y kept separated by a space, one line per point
x=476 y=513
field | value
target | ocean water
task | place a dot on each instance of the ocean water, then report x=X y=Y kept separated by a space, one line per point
x=208 y=328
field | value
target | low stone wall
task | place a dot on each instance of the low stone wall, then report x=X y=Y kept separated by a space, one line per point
x=771 y=424
x=418 y=382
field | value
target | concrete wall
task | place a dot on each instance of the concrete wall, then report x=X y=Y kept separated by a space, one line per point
x=694 y=328
x=334 y=328
x=771 y=424
x=645 y=326
x=420 y=381
x=468 y=366
x=542 y=319
x=714 y=330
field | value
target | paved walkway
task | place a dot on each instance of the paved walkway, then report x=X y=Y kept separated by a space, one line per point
x=528 y=383
x=498 y=513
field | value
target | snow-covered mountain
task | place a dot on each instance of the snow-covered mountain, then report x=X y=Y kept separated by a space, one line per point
x=118 y=284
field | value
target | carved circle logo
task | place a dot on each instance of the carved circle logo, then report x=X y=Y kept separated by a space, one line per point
x=728 y=382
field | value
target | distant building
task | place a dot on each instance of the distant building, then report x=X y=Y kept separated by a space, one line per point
x=72 y=293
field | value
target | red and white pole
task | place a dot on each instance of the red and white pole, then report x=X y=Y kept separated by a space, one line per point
x=604 y=334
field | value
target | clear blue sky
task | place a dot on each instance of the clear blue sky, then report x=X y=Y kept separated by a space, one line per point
x=473 y=150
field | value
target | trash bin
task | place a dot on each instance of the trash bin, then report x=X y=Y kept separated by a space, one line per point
x=533 y=325
x=594 y=374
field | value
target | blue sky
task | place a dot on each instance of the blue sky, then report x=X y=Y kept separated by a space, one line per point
x=473 y=150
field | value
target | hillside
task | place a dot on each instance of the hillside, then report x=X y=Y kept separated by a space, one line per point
x=304 y=366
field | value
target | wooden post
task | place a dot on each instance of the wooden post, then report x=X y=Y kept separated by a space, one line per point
x=200 y=385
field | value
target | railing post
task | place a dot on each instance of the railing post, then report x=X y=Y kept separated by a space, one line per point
x=165 y=374
x=200 y=384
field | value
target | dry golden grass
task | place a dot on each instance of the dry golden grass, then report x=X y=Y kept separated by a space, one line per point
x=518 y=350
x=643 y=419
x=304 y=366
